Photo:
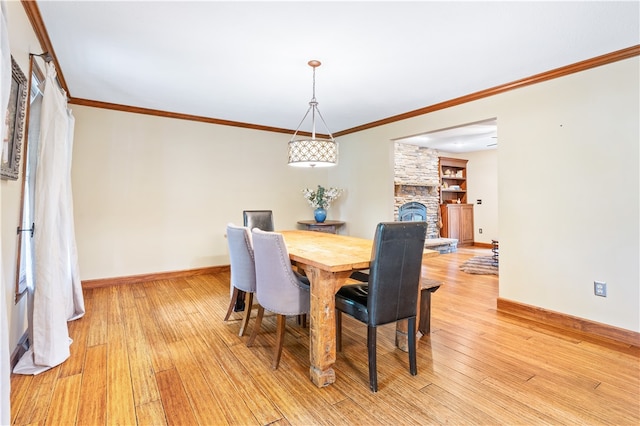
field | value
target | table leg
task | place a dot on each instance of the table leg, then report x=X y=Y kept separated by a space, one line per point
x=424 y=325
x=322 y=328
x=402 y=329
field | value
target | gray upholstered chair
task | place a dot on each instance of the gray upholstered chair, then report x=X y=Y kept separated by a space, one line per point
x=391 y=293
x=243 y=270
x=279 y=288
x=261 y=219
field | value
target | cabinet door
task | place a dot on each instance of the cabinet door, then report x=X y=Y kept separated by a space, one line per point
x=466 y=224
x=454 y=219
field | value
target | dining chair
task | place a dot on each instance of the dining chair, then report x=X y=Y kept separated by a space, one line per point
x=391 y=293
x=279 y=289
x=243 y=270
x=262 y=219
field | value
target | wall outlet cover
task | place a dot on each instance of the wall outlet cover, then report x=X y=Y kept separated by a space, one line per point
x=600 y=288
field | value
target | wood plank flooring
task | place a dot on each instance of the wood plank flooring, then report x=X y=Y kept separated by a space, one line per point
x=159 y=353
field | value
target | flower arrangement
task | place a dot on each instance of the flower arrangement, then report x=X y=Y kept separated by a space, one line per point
x=321 y=197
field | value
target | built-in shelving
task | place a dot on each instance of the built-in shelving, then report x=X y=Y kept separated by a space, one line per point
x=456 y=213
x=453 y=180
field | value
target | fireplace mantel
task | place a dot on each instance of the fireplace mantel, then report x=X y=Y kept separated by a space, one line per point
x=433 y=184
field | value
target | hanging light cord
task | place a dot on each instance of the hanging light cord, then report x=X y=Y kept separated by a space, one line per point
x=313 y=107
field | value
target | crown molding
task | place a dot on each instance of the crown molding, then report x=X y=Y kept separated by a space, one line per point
x=177 y=115
x=538 y=78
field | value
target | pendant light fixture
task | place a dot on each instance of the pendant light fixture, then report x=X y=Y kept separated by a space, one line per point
x=313 y=151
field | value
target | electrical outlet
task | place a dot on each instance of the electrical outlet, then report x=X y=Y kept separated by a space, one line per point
x=479 y=230
x=600 y=288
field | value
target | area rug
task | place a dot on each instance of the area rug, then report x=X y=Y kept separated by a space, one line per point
x=480 y=265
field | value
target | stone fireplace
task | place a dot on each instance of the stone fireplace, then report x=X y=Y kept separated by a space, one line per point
x=416 y=181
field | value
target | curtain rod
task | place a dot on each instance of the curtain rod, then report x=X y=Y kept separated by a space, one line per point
x=46 y=56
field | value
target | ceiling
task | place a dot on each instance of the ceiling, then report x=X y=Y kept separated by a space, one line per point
x=246 y=61
x=472 y=137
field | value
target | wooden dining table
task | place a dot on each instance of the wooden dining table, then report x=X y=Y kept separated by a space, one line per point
x=328 y=260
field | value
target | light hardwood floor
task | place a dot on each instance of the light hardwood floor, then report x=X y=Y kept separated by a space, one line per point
x=159 y=353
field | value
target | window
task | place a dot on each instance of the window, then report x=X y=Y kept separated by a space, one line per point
x=25 y=270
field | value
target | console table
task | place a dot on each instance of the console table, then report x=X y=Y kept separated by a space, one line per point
x=329 y=226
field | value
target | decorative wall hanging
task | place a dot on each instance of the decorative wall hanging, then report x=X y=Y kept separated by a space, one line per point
x=13 y=133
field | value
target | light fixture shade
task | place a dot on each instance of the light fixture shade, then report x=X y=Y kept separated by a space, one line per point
x=313 y=152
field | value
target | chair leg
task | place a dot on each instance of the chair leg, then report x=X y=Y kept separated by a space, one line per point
x=232 y=303
x=247 y=314
x=256 y=326
x=302 y=320
x=371 y=349
x=413 y=368
x=239 y=302
x=281 y=325
x=338 y=330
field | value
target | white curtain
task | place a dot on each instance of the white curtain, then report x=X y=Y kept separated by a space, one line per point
x=57 y=297
x=5 y=85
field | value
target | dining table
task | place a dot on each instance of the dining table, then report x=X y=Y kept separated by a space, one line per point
x=328 y=260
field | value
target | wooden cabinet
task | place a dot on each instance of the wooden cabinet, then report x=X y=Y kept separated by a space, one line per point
x=457 y=222
x=456 y=213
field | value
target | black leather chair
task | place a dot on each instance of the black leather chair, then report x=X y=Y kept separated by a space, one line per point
x=261 y=219
x=391 y=293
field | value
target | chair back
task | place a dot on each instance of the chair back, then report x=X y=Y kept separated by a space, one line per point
x=277 y=286
x=396 y=263
x=261 y=219
x=241 y=256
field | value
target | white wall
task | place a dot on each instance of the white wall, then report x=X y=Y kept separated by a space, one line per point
x=482 y=184
x=568 y=188
x=366 y=169
x=154 y=194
